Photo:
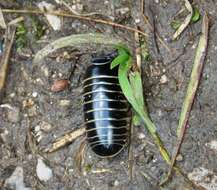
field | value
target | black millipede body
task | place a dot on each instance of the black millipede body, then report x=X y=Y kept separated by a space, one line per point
x=106 y=110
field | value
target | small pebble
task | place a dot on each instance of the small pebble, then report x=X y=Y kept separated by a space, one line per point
x=204 y=178
x=116 y=183
x=59 y=85
x=15 y=181
x=12 y=95
x=163 y=79
x=4 y=135
x=45 y=70
x=212 y=145
x=141 y=136
x=14 y=115
x=137 y=20
x=64 y=103
x=32 y=111
x=53 y=20
x=123 y=10
x=106 y=2
x=44 y=173
x=28 y=103
x=60 y=75
x=37 y=128
x=34 y=94
x=45 y=126
x=80 y=7
x=179 y=158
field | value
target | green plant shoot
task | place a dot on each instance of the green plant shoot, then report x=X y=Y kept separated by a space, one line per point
x=196 y=15
x=133 y=91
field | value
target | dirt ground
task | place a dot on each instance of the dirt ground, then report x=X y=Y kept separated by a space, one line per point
x=49 y=115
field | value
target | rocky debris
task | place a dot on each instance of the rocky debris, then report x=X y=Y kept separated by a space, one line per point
x=78 y=7
x=41 y=129
x=53 y=20
x=64 y=103
x=15 y=181
x=45 y=126
x=13 y=113
x=123 y=11
x=163 y=79
x=3 y=135
x=116 y=183
x=34 y=94
x=204 y=177
x=44 y=173
x=212 y=145
x=179 y=158
x=28 y=103
x=59 y=85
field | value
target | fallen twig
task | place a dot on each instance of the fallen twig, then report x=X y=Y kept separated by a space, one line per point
x=64 y=14
x=191 y=90
x=186 y=22
x=65 y=139
x=10 y=33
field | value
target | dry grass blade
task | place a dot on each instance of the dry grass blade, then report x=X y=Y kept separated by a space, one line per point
x=16 y=20
x=192 y=88
x=10 y=33
x=65 y=139
x=63 y=14
x=80 y=156
x=74 y=40
x=186 y=21
x=2 y=20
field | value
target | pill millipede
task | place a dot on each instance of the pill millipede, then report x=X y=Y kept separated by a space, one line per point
x=107 y=113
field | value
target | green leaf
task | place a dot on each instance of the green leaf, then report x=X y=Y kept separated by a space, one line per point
x=136 y=83
x=145 y=52
x=21 y=36
x=175 y=24
x=37 y=28
x=122 y=48
x=196 y=15
x=121 y=58
x=135 y=99
x=124 y=82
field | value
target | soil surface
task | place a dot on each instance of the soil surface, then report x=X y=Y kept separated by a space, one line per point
x=32 y=116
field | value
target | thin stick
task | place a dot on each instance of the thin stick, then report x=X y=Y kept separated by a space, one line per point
x=64 y=14
x=65 y=139
x=6 y=57
x=130 y=153
x=191 y=90
x=138 y=51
